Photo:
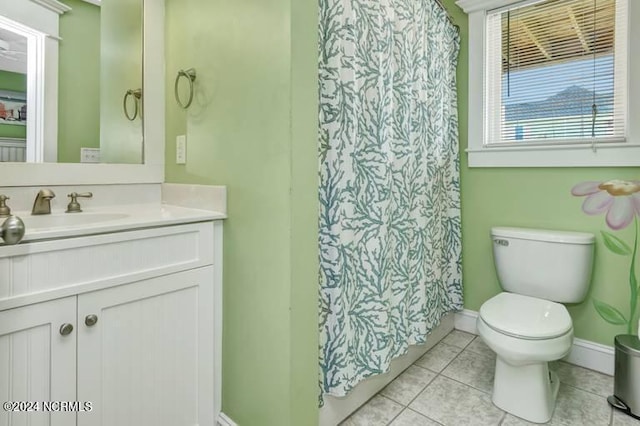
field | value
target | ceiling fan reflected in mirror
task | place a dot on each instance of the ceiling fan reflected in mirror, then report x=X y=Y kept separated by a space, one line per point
x=7 y=52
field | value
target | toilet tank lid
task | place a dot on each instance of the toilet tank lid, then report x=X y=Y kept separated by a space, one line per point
x=544 y=235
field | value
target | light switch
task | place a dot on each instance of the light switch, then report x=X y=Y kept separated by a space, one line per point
x=181 y=149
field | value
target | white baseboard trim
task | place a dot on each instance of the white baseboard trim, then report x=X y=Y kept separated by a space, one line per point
x=584 y=353
x=466 y=321
x=224 y=420
x=593 y=356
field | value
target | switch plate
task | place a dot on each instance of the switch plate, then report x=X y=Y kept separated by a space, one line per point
x=89 y=155
x=181 y=149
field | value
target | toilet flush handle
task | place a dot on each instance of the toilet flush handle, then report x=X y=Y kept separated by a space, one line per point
x=501 y=242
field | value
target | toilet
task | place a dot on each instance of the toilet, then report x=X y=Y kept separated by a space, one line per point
x=526 y=325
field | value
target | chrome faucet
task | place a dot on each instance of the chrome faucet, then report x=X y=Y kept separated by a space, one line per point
x=42 y=204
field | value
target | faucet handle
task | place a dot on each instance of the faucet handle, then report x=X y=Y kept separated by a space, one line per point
x=74 y=206
x=5 y=211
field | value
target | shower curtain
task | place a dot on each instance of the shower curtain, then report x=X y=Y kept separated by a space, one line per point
x=390 y=239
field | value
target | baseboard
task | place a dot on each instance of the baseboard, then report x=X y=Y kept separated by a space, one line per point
x=224 y=420
x=593 y=356
x=584 y=353
x=466 y=321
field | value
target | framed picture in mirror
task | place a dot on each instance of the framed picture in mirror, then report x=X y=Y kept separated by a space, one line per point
x=13 y=108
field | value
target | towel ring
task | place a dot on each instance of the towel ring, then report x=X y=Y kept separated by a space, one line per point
x=137 y=94
x=190 y=74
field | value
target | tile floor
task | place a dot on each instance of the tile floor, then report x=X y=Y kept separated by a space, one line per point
x=451 y=385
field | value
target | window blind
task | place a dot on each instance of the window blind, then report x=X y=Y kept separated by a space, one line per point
x=556 y=72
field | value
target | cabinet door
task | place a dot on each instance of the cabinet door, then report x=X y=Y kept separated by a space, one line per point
x=148 y=360
x=37 y=362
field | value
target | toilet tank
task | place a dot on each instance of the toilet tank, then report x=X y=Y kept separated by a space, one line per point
x=551 y=265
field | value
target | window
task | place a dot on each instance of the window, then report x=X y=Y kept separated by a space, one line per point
x=548 y=83
x=557 y=72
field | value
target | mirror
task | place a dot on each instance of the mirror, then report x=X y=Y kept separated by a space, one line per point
x=71 y=81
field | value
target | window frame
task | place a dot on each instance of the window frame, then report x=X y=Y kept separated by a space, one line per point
x=577 y=154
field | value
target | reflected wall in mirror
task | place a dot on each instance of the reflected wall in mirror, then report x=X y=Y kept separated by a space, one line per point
x=71 y=81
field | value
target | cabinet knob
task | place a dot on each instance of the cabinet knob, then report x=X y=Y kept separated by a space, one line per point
x=12 y=230
x=66 y=328
x=91 y=320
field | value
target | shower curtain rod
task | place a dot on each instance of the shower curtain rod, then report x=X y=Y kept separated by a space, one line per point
x=448 y=15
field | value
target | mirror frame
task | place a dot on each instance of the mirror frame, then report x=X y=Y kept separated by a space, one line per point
x=152 y=171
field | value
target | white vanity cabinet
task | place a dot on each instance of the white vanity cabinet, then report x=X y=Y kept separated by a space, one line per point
x=139 y=363
x=145 y=310
x=37 y=363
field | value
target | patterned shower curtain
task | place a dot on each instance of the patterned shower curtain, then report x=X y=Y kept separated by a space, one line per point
x=390 y=239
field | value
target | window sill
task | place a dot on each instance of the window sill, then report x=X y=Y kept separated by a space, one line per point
x=604 y=155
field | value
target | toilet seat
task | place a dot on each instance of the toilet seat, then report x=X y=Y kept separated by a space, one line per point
x=526 y=317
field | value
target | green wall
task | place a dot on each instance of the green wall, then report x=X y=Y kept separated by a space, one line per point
x=536 y=198
x=18 y=83
x=304 y=213
x=79 y=81
x=252 y=127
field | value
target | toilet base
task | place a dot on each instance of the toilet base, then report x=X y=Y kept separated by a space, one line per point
x=526 y=391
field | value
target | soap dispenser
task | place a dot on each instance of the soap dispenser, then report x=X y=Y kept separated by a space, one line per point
x=5 y=211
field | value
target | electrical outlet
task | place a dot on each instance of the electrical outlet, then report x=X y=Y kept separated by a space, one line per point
x=89 y=155
x=181 y=149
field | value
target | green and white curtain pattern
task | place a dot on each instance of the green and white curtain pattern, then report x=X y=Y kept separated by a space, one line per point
x=390 y=239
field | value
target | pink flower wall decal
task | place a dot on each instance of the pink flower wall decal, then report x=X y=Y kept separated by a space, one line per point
x=620 y=200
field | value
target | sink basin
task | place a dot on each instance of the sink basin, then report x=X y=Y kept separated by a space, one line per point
x=68 y=219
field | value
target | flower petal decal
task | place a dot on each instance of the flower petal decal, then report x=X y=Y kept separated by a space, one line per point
x=636 y=201
x=585 y=188
x=619 y=199
x=597 y=203
x=621 y=213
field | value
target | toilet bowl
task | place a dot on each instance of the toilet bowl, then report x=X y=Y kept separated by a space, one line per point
x=525 y=326
x=525 y=333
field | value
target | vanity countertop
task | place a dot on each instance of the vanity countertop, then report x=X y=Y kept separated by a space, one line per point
x=108 y=219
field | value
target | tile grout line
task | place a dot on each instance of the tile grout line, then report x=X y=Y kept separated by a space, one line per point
x=418 y=394
x=583 y=390
x=449 y=363
x=489 y=392
x=390 y=398
x=426 y=417
x=397 y=415
x=484 y=355
x=381 y=392
x=504 y=413
x=562 y=382
x=470 y=386
x=406 y=407
x=473 y=352
x=458 y=381
x=437 y=374
x=611 y=409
